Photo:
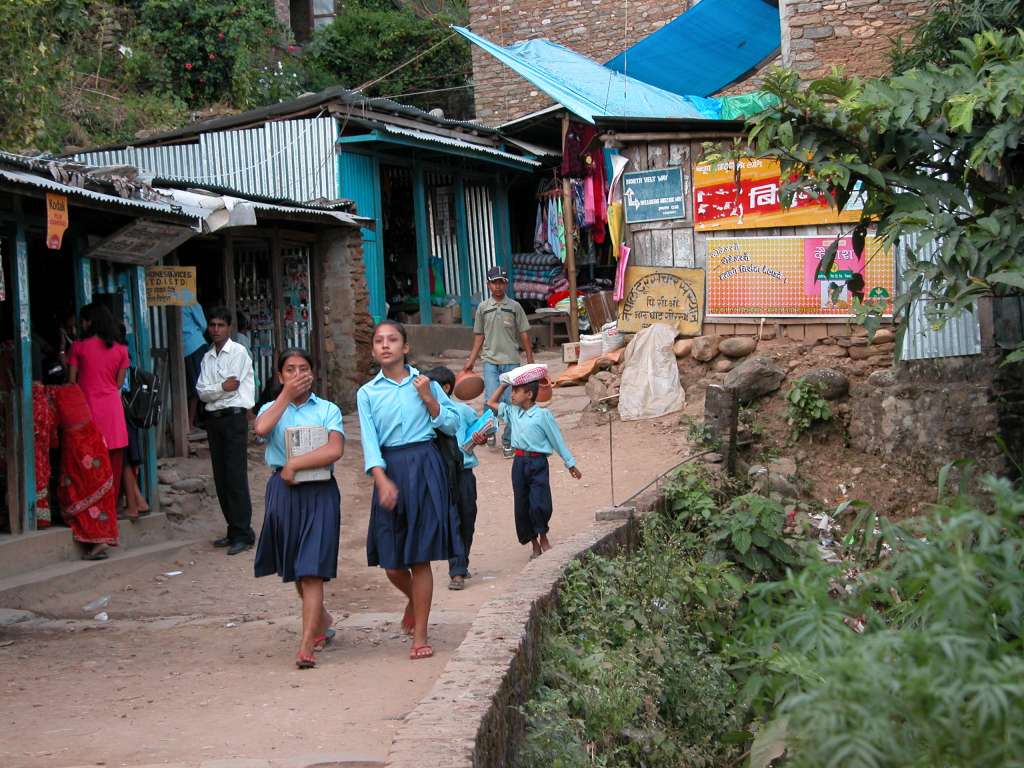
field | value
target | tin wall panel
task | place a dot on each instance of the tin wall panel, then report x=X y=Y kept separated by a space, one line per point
x=959 y=336
x=441 y=217
x=480 y=220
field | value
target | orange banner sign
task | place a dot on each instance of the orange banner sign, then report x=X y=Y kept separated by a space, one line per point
x=719 y=205
x=781 y=276
x=56 y=220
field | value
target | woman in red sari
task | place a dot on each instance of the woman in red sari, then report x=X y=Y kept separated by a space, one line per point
x=86 y=487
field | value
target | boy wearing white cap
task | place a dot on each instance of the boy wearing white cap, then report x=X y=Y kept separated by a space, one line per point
x=499 y=329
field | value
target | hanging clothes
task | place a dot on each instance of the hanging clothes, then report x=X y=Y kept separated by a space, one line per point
x=596 y=166
x=540 y=228
x=588 y=201
x=616 y=226
x=556 y=228
x=577 y=139
x=620 y=274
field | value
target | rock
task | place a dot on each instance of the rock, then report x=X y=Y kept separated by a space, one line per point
x=9 y=616
x=682 y=347
x=872 y=350
x=852 y=341
x=833 y=383
x=828 y=340
x=757 y=476
x=704 y=348
x=712 y=458
x=607 y=378
x=781 y=485
x=167 y=476
x=783 y=466
x=596 y=390
x=723 y=365
x=883 y=336
x=768 y=335
x=173 y=511
x=856 y=471
x=883 y=378
x=190 y=485
x=737 y=346
x=832 y=351
x=166 y=498
x=754 y=377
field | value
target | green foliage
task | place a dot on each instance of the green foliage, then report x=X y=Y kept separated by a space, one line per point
x=935 y=151
x=689 y=497
x=749 y=532
x=370 y=39
x=935 y=38
x=805 y=407
x=205 y=52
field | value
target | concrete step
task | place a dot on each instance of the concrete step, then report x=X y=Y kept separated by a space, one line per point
x=30 y=551
x=28 y=590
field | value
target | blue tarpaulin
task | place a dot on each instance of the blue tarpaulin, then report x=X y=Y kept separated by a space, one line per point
x=584 y=87
x=705 y=49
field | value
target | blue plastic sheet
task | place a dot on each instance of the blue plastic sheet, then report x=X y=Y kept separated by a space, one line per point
x=707 y=48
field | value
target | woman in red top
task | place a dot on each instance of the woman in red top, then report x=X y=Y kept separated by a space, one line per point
x=98 y=364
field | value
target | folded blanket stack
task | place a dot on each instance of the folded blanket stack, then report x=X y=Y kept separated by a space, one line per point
x=537 y=275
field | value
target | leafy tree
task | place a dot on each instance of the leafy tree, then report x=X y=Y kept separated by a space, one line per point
x=937 y=153
x=371 y=38
x=934 y=40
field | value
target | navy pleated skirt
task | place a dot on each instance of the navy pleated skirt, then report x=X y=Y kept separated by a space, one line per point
x=424 y=525
x=301 y=530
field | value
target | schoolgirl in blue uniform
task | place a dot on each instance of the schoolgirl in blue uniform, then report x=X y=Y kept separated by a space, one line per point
x=302 y=521
x=535 y=436
x=413 y=519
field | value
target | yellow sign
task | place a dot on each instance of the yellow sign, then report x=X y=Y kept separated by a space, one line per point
x=719 y=203
x=781 y=276
x=170 y=286
x=56 y=220
x=663 y=295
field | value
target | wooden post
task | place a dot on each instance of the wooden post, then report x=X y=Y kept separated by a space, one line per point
x=22 y=397
x=277 y=289
x=230 y=298
x=144 y=360
x=462 y=242
x=176 y=379
x=419 y=206
x=570 y=255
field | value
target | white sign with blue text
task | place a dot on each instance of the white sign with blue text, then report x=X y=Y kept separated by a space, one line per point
x=654 y=195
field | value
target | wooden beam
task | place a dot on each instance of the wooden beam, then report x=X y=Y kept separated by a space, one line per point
x=144 y=360
x=23 y=373
x=570 y=255
x=669 y=136
x=419 y=204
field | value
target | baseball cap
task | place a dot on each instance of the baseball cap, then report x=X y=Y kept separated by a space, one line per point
x=497 y=273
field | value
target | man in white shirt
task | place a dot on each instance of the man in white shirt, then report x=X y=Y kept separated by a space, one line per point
x=227 y=387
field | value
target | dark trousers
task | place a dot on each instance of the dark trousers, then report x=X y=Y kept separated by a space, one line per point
x=459 y=566
x=531 y=489
x=229 y=446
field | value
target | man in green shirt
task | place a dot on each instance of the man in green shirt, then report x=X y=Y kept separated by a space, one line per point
x=499 y=328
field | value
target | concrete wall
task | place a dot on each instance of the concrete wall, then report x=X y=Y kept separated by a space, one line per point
x=347 y=325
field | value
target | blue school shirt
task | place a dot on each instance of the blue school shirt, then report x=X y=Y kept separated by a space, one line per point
x=466 y=418
x=535 y=430
x=315 y=412
x=391 y=413
x=193 y=326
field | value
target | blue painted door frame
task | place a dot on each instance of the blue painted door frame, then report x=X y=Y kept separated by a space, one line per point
x=22 y=402
x=359 y=180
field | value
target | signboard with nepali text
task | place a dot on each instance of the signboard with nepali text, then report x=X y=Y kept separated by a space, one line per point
x=56 y=220
x=781 y=276
x=718 y=204
x=654 y=195
x=668 y=295
x=168 y=286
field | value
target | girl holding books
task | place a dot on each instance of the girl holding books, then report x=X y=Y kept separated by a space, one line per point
x=413 y=519
x=302 y=519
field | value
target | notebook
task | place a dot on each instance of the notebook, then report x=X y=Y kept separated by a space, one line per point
x=301 y=440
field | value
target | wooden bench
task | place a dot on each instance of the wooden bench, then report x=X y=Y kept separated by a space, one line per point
x=546 y=323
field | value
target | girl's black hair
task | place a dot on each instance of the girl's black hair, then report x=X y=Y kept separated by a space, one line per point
x=533 y=387
x=443 y=376
x=101 y=323
x=293 y=352
x=398 y=327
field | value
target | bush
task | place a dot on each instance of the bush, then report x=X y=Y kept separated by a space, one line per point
x=806 y=407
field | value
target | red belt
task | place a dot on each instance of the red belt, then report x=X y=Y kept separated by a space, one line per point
x=528 y=453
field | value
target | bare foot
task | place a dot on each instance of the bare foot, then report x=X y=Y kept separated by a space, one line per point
x=326 y=622
x=545 y=545
x=408 y=619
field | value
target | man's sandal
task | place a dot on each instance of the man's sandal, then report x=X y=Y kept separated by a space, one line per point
x=421 y=652
x=304 y=662
x=322 y=641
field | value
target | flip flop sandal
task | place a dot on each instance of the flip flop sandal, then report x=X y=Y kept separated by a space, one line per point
x=102 y=555
x=304 y=662
x=457 y=585
x=421 y=652
x=535 y=555
x=321 y=642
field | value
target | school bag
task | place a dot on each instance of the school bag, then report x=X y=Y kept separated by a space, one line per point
x=142 y=401
x=452 y=456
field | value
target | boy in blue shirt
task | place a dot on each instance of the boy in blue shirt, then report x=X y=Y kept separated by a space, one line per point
x=462 y=480
x=535 y=436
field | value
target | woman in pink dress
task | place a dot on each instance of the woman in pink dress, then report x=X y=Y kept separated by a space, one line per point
x=98 y=364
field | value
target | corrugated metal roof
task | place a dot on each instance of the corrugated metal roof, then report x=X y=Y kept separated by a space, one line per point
x=959 y=336
x=40 y=182
x=433 y=138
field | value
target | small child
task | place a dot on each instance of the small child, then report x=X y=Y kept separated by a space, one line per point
x=535 y=436
x=462 y=480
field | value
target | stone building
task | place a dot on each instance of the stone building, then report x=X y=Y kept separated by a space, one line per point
x=854 y=34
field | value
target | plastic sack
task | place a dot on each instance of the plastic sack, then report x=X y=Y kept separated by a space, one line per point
x=650 y=379
x=611 y=339
x=591 y=346
x=524 y=374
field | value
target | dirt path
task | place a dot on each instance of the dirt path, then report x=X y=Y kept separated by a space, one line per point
x=198 y=668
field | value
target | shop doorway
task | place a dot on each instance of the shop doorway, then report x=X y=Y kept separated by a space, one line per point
x=401 y=289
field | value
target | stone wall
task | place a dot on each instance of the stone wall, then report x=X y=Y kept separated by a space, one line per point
x=928 y=413
x=600 y=29
x=346 y=332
